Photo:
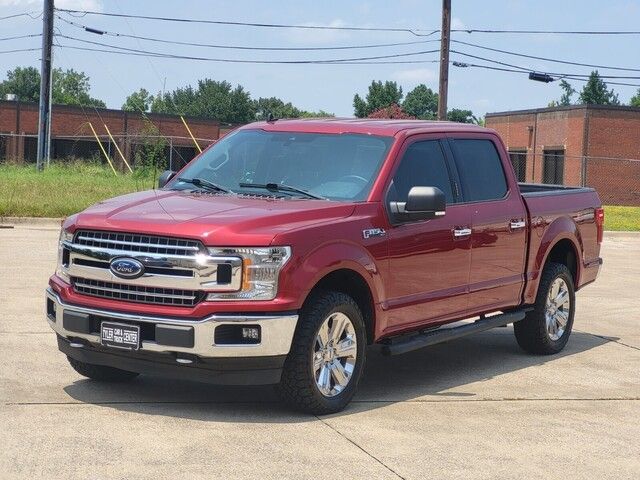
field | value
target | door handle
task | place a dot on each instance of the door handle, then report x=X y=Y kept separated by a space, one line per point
x=516 y=224
x=461 y=232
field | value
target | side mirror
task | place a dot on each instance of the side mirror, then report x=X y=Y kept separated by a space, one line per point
x=165 y=177
x=423 y=203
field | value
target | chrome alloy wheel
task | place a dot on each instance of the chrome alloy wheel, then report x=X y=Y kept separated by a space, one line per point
x=557 y=309
x=334 y=354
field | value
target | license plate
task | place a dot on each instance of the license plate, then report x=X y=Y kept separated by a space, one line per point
x=120 y=335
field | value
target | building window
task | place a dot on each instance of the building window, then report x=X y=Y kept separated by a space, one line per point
x=553 y=169
x=519 y=161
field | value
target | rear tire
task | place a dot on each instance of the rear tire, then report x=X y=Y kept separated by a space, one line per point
x=101 y=373
x=323 y=368
x=546 y=329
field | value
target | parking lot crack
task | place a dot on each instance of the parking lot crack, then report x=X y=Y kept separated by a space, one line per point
x=610 y=339
x=352 y=442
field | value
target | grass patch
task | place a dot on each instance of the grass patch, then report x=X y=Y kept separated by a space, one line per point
x=62 y=189
x=621 y=218
x=66 y=188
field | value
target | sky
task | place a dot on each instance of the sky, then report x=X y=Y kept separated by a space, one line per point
x=332 y=87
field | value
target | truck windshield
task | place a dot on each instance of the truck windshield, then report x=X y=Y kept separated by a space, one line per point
x=331 y=166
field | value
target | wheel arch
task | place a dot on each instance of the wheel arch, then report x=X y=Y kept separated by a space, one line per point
x=561 y=243
x=352 y=283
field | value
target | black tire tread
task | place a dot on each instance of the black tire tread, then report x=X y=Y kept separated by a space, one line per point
x=531 y=332
x=296 y=388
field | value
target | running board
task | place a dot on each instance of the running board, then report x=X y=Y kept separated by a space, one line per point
x=398 y=345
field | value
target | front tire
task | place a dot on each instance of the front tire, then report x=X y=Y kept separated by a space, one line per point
x=324 y=366
x=546 y=329
x=101 y=373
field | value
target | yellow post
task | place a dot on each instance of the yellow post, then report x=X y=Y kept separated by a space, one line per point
x=190 y=134
x=118 y=148
x=103 y=150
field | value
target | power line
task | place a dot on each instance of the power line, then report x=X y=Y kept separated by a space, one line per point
x=528 y=69
x=25 y=14
x=513 y=70
x=17 y=37
x=550 y=32
x=21 y=50
x=235 y=60
x=238 y=47
x=566 y=62
x=415 y=32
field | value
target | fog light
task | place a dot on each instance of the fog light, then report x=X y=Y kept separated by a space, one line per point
x=231 y=334
x=251 y=333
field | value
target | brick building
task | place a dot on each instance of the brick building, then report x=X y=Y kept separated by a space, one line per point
x=592 y=145
x=71 y=135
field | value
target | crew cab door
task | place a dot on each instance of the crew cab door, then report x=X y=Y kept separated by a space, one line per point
x=498 y=222
x=429 y=260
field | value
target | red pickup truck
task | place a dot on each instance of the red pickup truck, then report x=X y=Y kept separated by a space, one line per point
x=284 y=249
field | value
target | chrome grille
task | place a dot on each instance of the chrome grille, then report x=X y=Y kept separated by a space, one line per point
x=136 y=293
x=134 y=242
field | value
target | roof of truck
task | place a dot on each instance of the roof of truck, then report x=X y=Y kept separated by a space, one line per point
x=362 y=125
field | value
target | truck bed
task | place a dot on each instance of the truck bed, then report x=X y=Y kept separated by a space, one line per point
x=543 y=189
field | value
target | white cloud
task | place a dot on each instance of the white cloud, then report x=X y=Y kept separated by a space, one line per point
x=415 y=76
x=457 y=24
x=93 y=5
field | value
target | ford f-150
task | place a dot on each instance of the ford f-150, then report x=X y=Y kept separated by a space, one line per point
x=283 y=250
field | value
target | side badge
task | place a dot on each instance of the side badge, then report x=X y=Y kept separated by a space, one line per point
x=373 y=232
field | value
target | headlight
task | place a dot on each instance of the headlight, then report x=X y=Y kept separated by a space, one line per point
x=260 y=271
x=63 y=255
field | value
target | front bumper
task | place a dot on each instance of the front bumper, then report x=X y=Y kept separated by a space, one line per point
x=81 y=340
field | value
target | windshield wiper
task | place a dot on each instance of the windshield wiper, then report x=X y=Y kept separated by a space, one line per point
x=276 y=187
x=206 y=184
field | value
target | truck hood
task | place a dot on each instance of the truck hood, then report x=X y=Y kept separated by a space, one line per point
x=217 y=220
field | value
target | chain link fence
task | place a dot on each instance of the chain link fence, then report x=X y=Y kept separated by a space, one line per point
x=161 y=152
x=617 y=180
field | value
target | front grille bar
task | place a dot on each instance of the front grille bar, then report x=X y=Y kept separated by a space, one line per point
x=136 y=293
x=133 y=242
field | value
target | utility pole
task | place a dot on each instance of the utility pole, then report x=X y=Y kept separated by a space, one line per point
x=445 y=33
x=44 y=122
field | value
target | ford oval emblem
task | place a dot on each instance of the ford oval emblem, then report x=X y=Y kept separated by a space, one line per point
x=126 y=268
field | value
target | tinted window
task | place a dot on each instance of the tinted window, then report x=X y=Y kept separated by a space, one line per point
x=480 y=170
x=423 y=165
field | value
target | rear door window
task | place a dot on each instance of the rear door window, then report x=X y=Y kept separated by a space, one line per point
x=480 y=169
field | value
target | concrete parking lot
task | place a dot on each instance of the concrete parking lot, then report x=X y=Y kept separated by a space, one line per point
x=473 y=408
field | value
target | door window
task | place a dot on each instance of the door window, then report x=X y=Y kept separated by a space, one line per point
x=423 y=165
x=480 y=169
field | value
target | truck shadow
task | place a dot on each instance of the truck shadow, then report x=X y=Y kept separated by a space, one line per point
x=453 y=371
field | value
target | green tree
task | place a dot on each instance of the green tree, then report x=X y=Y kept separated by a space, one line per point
x=635 y=100
x=595 y=92
x=421 y=102
x=567 y=92
x=211 y=99
x=23 y=82
x=276 y=107
x=139 y=101
x=380 y=95
x=72 y=88
x=279 y=109
x=462 y=116
x=68 y=86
